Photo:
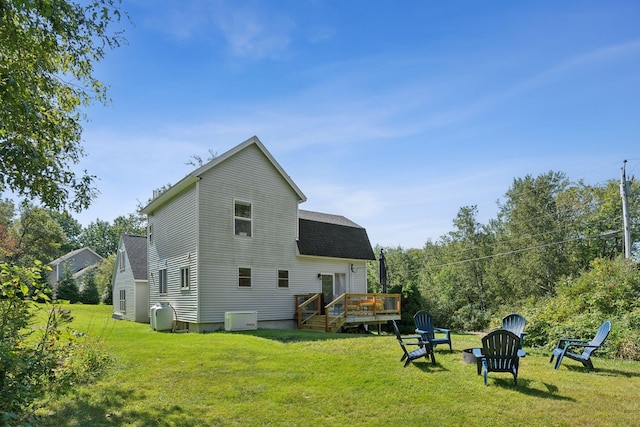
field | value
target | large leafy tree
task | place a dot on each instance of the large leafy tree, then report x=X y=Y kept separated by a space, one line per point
x=48 y=50
x=103 y=237
x=38 y=236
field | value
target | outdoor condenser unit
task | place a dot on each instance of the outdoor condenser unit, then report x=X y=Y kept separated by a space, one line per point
x=240 y=320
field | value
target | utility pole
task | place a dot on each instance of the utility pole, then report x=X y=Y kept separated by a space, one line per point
x=624 y=193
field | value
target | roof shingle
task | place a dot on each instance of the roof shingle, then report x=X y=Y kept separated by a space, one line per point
x=332 y=236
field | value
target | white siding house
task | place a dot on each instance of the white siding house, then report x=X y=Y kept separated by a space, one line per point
x=230 y=237
x=129 y=283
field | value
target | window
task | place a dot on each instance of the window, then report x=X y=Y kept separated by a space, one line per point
x=184 y=278
x=283 y=278
x=162 y=281
x=122 y=260
x=123 y=301
x=150 y=233
x=244 y=277
x=242 y=218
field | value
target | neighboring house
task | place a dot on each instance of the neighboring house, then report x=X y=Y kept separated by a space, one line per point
x=77 y=261
x=129 y=282
x=230 y=237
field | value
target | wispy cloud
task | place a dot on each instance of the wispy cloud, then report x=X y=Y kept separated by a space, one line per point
x=252 y=34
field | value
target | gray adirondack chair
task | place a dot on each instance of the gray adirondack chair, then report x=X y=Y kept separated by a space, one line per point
x=424 y=327
x=424 y=348
x=589 y=347
x=515 y=323
x=500 y=352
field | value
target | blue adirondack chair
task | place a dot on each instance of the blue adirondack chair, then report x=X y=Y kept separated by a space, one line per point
x=500 y=352
x=424 y=348
x=589 y=347
x=424 y=327
x=515 y=323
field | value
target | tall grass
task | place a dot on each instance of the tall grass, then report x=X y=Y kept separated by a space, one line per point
x=291 y=378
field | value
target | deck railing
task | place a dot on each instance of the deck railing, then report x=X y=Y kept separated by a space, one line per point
x=350 y=308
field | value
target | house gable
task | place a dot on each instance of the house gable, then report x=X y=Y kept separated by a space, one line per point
x=193 y=177
x=77 y=261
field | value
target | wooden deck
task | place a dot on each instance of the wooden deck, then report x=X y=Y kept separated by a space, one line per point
x=346 y=310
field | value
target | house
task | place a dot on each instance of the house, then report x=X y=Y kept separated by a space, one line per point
x=230 y=238
x=129 y=283
x=77 y=262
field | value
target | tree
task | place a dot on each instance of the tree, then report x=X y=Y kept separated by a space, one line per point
x=536 y=232
x=67 y=288
x=89 y=293
x=103 y=237
x=104 y=275
x=72 y=230
x=48 y=50
x=38 y=236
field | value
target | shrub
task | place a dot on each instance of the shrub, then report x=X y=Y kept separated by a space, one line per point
x=37 y=362
x=609 y=290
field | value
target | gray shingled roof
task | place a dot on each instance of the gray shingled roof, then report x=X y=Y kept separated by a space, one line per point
x=136 y=249
x=332 y=236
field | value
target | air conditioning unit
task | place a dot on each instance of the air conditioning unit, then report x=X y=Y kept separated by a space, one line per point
x=240 y=320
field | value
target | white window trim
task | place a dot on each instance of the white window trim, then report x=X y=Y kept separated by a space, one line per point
x=250 y=277
x=250 y=219
x=278 y=278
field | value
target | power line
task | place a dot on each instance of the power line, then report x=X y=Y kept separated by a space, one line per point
x=515 y=251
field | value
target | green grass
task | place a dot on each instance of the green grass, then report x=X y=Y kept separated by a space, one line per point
x=291 y=378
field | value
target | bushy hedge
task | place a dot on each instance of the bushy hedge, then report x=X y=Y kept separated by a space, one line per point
x=609 y=290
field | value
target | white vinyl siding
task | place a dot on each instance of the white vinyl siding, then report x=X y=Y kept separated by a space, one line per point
x=174 y=246
x=247 y=176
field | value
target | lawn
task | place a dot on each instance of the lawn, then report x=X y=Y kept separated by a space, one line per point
x=291 y=378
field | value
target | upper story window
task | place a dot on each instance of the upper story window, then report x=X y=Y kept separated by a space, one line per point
x=122 y=260
x=242 y=215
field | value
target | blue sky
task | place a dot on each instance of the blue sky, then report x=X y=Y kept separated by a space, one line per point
x=393 y=114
